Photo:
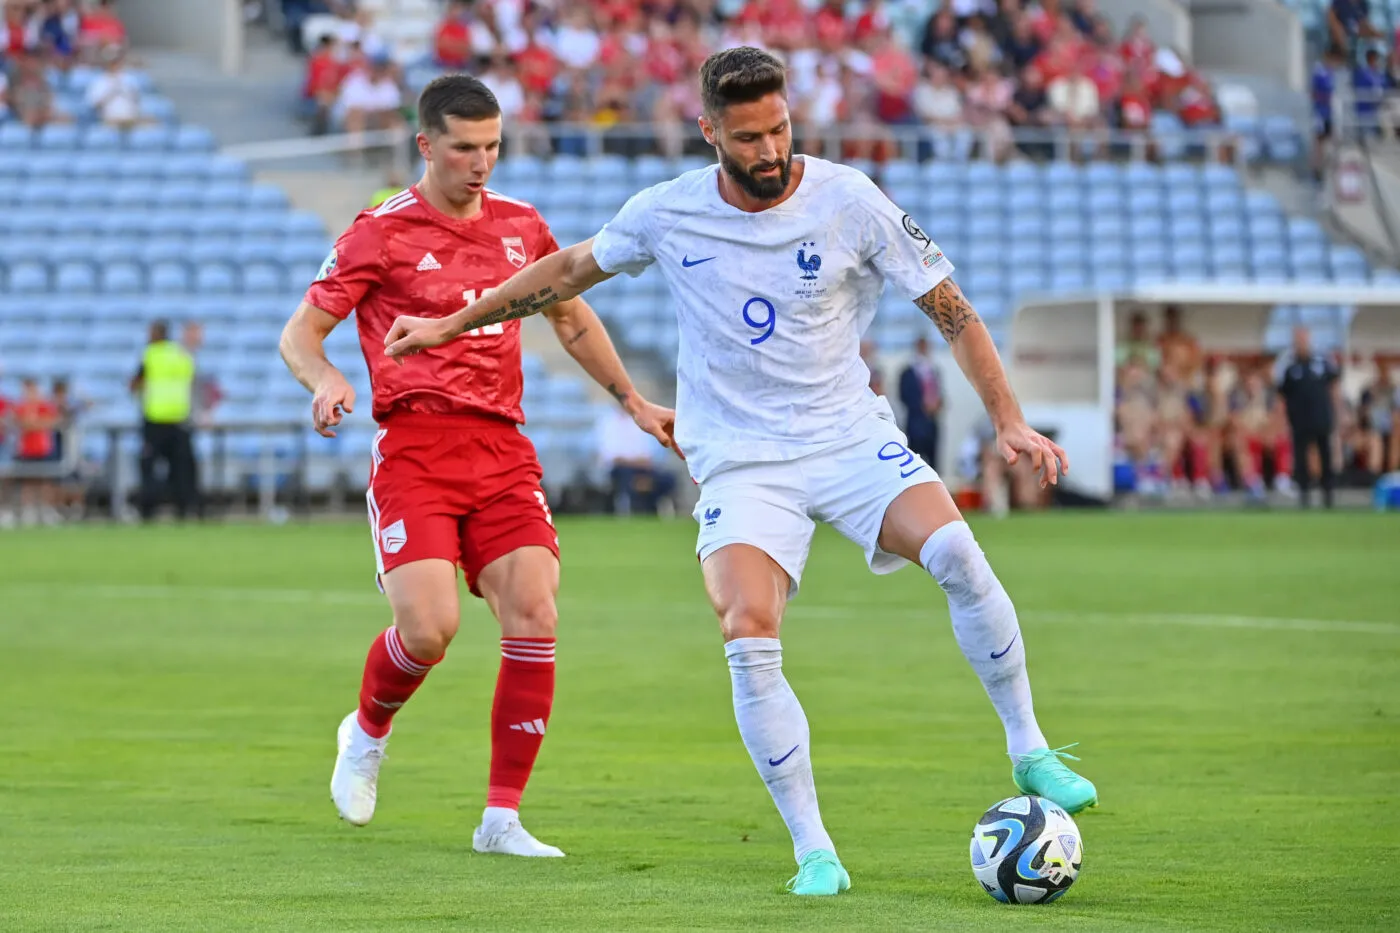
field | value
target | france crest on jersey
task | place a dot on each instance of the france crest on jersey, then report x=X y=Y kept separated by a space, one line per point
x=771 y=305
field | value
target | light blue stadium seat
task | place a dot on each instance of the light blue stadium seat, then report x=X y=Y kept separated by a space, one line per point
x=260 y=223
x=179 y=195
x=1026 y=228
x=56 y=136
x=168 y=278
x=1265 y=229
x=122 y=278
x=262 y=278
x=219 y=224
x=192 y=139
x=1105 y=228
x=153 y=138
x=1214 y=175
x=1188 y=229
x=222 y=196
x=100 y=138
x=15 y=136
x=157 y=108
x=1348 y=261
x=75 y=248
x=1185 y=201
x=1305 y=230
x=1267 y=258
x=34 y=221
x=137 y=166
x=302 y=224
x=46 y=193
x=260 y=197
x=172 y=223
x=1064 y=200
x=75 y=278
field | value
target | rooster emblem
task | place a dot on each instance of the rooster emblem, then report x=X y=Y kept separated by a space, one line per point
x=809 y=265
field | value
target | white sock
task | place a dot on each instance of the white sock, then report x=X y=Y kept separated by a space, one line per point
x=495 y=819
x=774 y=730
x=984 y=623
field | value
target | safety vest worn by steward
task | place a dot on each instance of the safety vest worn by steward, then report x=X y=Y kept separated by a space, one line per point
x=168 y=383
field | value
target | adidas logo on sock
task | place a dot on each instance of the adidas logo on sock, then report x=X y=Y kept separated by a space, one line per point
x=534 y=728
x=428 y=263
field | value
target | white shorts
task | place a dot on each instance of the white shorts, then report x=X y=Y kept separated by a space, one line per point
x=775 y=505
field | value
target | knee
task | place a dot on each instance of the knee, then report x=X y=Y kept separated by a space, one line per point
x=959 y=566
x=749 y=620
x=530 y=616
x=426 y=633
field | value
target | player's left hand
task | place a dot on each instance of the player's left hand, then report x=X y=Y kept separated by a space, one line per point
x=658 y=421
x=409 y=335
x=1047 y=457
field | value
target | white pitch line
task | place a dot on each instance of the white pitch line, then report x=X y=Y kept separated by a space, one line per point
x=347 y=597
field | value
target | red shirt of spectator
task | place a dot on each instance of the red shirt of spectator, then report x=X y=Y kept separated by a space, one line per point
x=1135 y=106
x=895 y=77
x=323 y=73
x=36 y=416
x=1138 y=47
x=1107 y=74
x=535 y=66
x=1195 y=106
x=15 y=30
x=830 y=26
x=100 y=26
x=453 y=43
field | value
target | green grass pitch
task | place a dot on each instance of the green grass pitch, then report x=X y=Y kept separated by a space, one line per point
x=169 y=698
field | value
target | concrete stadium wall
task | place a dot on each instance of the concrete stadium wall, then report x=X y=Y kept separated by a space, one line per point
x=211 y=29
x=1260 y=37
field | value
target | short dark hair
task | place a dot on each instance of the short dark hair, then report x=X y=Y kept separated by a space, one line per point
x=459 y=96
x=739 y=76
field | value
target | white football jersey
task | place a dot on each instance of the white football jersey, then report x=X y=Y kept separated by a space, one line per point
x=771 y=305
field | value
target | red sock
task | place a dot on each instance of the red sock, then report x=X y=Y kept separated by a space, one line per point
x=391 y=676
x=524 y=695
x=1283 y=457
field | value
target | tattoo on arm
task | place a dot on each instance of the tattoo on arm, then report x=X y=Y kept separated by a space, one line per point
x=948 y=309
x=576 y=337
x=533 y=303
x=615 y=393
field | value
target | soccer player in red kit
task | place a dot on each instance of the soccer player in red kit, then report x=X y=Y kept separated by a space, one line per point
x=453 y=482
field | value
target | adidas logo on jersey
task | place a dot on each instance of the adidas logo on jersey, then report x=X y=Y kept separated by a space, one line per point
x=428 y=263
x=534 y=728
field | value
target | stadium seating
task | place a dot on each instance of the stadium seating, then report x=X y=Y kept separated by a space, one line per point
x=103 y=231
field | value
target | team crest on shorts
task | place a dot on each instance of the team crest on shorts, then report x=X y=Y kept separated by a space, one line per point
x=515 y=250
x=393 y=538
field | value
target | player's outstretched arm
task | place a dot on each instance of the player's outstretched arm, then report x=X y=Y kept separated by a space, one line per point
x=977 y=357
x=303 y=347
x=580 y=332
x=557 y=277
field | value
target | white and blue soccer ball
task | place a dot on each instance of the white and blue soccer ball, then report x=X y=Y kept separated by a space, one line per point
x=1026 y=850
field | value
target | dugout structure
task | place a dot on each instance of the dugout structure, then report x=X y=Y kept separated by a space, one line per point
x=1060 y=354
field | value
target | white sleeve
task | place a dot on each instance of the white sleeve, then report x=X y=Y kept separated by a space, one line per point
x=896 y=246
x=625 y=243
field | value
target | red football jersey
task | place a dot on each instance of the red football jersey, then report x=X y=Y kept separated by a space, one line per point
x=406 y=257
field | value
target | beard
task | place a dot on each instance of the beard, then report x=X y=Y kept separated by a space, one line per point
x=764 y=189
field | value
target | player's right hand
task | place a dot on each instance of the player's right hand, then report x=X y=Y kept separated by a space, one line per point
x=409 y=335
x=332 y=400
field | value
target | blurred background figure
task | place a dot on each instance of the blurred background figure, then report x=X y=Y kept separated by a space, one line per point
x=921 y=394
x=165 y=385
x=1307 y=381
x=638 y=482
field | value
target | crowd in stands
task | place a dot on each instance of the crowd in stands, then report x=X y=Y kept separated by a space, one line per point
x=1187 y=420
x=988 y=65
x=43 y=42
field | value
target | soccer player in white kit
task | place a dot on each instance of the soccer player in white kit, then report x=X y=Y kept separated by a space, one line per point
x=776 y=265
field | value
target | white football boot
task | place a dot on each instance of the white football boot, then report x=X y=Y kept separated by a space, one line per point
x=355 y=780
x=510 y=838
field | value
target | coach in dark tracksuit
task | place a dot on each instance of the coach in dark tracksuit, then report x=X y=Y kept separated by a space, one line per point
x=1305 y=380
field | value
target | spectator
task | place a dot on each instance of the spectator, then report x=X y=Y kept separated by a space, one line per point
x=1074 y=99
x=1138 y=50
x=1369 y=82
x=940 y=41
x=68 y=491
x=1139 y=345
x=116 y=94
x=1135 y=103
x=921 y=394
x=1180 y=352
x=1380 y=422
x=100 y=28
x=937 y=100
x=16 y=35
x=35 y=420
x=452 y=45
x=31 y=97
x=371 y=98
x=1307 y=383
x=59 y=29
x=638 y=484
x=576 y=42
x=1021 y=45
x=324 y=73
x=1349 y=21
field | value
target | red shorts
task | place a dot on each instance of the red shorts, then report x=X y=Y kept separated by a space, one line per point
x=457 y=487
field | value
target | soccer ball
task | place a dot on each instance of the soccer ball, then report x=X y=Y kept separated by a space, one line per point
x=1026 y=850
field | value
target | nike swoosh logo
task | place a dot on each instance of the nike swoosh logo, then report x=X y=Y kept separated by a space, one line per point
x=686 y=261
x=1002 y=652
x=784 y=758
